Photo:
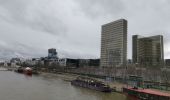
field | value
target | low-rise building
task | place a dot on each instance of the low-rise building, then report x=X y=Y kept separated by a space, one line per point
x=167 y=62
x=75 y=63
x=68 y=62
x=148 y=51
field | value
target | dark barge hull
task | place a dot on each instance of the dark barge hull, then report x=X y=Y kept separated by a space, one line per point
x=85 y=85
x=19 y=70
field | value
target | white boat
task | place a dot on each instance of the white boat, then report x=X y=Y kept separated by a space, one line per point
x=28 y=71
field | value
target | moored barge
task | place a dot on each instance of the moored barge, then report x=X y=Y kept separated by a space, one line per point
x=28 y=71
x=145 y=94
x=19 y=70
x=90 y=83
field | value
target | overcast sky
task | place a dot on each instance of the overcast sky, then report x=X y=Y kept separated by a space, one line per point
x=29 y=27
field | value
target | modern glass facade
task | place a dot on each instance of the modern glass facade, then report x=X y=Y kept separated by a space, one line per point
x=148 y=51
x=114 y=44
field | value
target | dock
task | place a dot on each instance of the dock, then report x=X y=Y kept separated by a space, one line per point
x=3 y=69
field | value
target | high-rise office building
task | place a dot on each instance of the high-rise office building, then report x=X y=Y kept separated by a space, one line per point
x=52 y=53
x=148 y=51
x=114 y=44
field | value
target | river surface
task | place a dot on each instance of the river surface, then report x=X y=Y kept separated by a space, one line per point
x=15 y=86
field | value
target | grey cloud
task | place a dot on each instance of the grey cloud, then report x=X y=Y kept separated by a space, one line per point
x=14 y=49
x=33 y=15
x=76 y=24
x=48 y=24
x=98 y=8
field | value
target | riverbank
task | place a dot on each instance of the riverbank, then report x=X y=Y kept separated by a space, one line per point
x=3 y=69
x=117 y=86
x=63 y=76
x=69 y=77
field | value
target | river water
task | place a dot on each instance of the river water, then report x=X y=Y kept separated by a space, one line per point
x=15 y=86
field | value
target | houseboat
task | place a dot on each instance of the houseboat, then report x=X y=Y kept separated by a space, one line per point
x=145 y=94
x=90 y=83
x=135 y=90
x=28 y=71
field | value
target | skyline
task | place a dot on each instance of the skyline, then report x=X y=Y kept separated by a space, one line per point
x=30 y=28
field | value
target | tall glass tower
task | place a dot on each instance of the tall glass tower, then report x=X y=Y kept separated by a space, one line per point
x=114 y=44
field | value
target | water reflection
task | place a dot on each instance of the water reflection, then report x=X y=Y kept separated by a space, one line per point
x=14 y=86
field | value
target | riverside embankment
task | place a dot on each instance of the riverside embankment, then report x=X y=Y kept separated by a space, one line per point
x=69 y=76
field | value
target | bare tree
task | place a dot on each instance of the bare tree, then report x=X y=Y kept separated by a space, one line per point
x=166 y=77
